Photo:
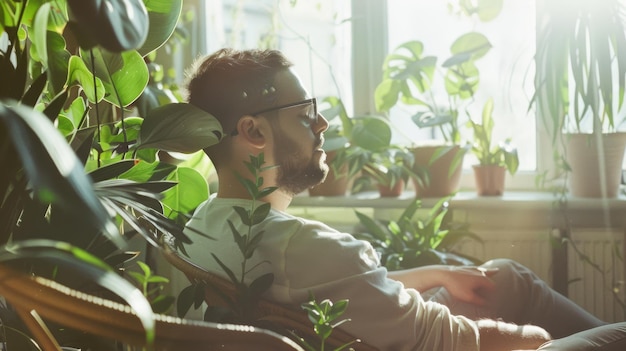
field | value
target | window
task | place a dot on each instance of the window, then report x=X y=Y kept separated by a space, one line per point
x=312 y=34
x=329 y=40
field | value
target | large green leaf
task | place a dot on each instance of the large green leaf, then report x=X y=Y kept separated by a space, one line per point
x=124 y=75
x=371 y=133
x=54 y=171
x=116 y=25
x=473 y=43
x=192 y=189
x=58 y=62
x=79 y=74
x=163 y=16
x=179 y=127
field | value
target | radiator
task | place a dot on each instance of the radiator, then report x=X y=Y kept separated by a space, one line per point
x=591 y=288
x=599 y=289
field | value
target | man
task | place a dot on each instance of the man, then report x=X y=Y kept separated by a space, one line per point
x=263 y=108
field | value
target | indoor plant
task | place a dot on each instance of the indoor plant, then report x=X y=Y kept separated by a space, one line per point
x=493 y=160
x=390 y=170
x=580 y=85
x=68 y=188
x=414 y=240
x=349 y=142
x=408 y=76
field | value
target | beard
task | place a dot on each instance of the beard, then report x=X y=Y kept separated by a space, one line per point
x=298 y=169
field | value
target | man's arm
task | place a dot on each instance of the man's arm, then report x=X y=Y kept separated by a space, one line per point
x=465 y=283
x=501 y=336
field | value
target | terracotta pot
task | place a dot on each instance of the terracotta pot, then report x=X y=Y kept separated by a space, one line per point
x=394 y=191
x=335 y=184
x=443 y=180
x=489 y=179
x=595 y=173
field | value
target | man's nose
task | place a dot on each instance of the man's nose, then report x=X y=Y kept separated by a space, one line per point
x=321 y=125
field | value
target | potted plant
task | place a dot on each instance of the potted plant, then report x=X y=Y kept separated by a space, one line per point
x=414 y=240
x=408 y=76
x=411 y=77
x=580 y=85
x=349 y=144
x=389 y=170
x=71 y=181
x=493 y=160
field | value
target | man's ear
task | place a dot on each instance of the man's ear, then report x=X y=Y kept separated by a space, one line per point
x=250 y=129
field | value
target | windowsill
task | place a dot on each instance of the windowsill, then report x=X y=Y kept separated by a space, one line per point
x=463 y=199
x=529 y=209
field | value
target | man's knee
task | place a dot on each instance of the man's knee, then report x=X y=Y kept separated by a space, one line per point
x=610 y=337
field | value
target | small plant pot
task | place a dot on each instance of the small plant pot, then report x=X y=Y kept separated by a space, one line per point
x=395 y=191
x=444 y=176
x=596 y=170
x=489 y=179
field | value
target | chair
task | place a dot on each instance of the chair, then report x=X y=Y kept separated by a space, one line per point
x=37 y=299
x=288 y=319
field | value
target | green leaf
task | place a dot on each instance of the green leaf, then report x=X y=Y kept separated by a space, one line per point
x=371 y=133
x=179 y=127
x=111 y=171
x=124 y=75
x=261 y=284
x=116 y=25
x=143 y=171
x=163 y=17
x=260 y=213
x=53 y=170
x=185 y=300
x=386 y=94
x=244 y=215
x=473 y=43
x=80 y=75
x=192 y=189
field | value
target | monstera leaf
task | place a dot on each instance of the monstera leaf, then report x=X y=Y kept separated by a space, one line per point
x=116 y=25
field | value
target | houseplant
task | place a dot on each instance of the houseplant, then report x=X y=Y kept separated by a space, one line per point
x=580 y=84
x=349 y=142
x=408 y=76
x=71 y=181
x=389 y=169
x=439 y=94
x=414 y=240
x=493 y=160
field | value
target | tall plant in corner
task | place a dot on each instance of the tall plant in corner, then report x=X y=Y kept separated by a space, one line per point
x=580 y=85
x=80 y=177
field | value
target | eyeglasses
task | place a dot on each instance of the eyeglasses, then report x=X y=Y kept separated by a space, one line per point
x=311 y=114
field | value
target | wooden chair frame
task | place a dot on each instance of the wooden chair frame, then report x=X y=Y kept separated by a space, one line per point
x=289 y=319
x=37 y=299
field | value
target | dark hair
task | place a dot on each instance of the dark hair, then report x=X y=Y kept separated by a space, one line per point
x=230 y=83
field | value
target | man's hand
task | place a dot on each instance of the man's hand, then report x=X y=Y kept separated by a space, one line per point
x=470 y=284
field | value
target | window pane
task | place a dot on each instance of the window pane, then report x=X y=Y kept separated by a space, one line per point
x=506 y=71
x=312 y=34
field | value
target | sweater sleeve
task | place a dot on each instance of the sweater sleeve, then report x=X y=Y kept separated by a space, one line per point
x=383 y=313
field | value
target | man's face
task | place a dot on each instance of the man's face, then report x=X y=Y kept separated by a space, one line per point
x=297 y=132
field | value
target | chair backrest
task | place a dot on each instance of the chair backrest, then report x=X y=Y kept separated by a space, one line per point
x=287 y=318
x=37 y=299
